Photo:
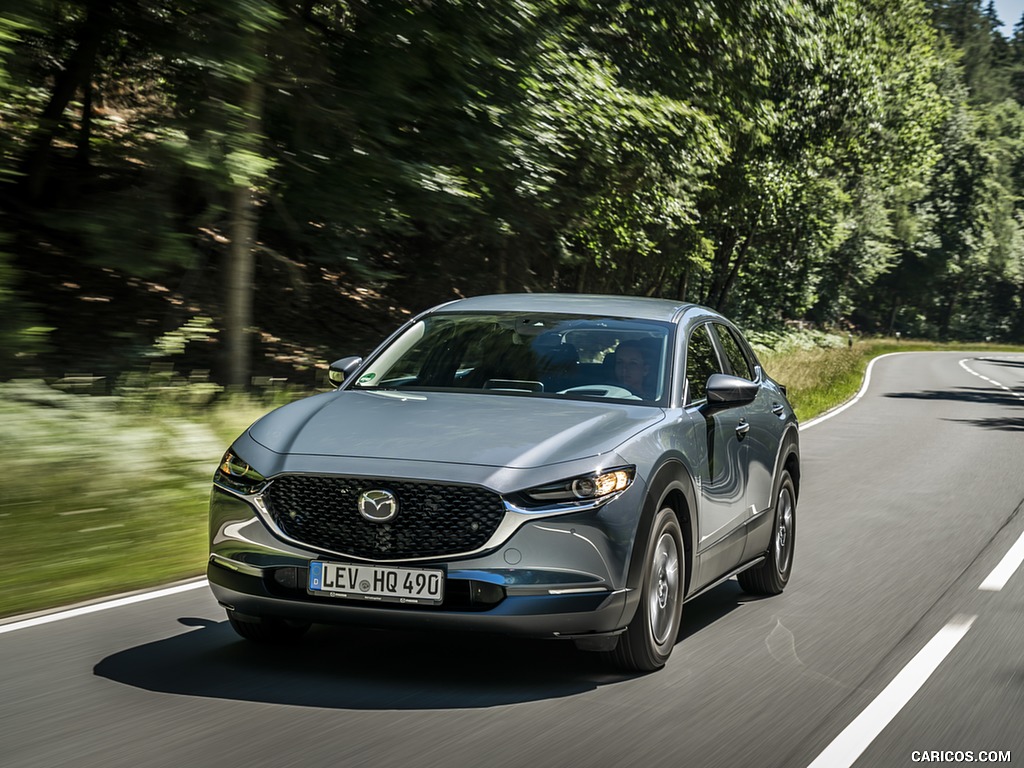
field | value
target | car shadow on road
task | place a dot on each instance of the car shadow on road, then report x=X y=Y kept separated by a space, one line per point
x=363 y=669
x=980 y=395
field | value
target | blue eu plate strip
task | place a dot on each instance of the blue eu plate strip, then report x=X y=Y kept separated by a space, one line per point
x=316 y=575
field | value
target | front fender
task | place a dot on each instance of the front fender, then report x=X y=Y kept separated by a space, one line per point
x=671 y=483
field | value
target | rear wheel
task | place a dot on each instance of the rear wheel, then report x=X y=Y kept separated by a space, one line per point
x=648 y=640
x=267 y=629
x=772 y=575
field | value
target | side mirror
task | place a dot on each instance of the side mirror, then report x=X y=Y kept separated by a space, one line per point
x=340 y=370
x=726 y=391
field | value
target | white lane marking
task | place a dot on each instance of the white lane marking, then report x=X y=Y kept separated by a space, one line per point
x=963 y=364
x=863 y=390
x=71 y=613
x=1007 y=567
x=858 y=735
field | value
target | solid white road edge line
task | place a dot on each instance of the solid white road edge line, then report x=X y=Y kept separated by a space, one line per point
x=96 y=607
x=863 y=390
x=849 y=745
x=1007 y=567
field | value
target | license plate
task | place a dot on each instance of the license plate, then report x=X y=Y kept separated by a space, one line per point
x=373 y=582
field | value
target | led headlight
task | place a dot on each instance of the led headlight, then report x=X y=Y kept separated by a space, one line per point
x=237 y=475
x=584 y=488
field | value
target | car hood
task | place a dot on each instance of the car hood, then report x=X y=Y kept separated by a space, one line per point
x=460 y=428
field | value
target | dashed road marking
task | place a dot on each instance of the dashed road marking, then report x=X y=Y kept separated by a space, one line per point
x=849 y=745
x=1011 y=561
x=983 y=377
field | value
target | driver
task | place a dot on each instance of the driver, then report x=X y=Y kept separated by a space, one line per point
x=631 y=367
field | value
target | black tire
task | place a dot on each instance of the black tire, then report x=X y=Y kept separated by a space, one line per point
x=268 y=630
x=772 y=574
x=648 y=640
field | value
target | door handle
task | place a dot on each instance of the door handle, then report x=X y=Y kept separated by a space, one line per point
x=778 y=408
x=742 y=429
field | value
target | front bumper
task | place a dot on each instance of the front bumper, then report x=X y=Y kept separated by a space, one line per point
x=553 y=616
x=554 y=577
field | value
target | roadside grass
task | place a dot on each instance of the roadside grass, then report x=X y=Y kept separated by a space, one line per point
x=818 y=378
x=104 y=495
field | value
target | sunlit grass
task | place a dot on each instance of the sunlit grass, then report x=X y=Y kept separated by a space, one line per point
x=104 y=495
x=818 y=379
x=101 y=496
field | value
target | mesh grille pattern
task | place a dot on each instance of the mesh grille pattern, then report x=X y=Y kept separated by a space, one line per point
x=433 y=519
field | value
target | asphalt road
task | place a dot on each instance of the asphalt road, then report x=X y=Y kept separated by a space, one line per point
x=883 y=646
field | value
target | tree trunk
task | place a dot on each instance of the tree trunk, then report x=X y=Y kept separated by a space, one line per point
x=892 y=315
x=655 y=287
x=581 y=278
x=683 y=288
x=720 y=265
x=241 y=256
x=85 y=128
x=950 y=306
x=734 y=271
x=502 y=284
x=77 y=71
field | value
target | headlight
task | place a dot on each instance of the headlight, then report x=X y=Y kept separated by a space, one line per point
x=583 y=488
x=234 y=473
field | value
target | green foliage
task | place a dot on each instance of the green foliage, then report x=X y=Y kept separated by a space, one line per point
x=20 y=335
x=851 y=162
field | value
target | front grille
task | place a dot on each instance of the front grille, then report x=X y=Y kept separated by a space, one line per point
x=433 y=519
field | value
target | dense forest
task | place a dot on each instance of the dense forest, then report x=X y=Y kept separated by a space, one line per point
x=252 y=186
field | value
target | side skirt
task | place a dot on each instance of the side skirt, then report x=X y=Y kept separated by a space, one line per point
x=713 y=584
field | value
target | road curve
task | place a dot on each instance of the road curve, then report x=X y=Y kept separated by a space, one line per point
x=911 y=499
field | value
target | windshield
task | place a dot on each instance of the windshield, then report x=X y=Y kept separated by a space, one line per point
x=529 y=354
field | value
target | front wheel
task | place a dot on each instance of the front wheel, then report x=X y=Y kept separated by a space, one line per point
x=648 y=640
x=772 y=575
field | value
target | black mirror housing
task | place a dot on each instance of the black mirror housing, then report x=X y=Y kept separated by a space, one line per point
x=724 y=390
x=342 y=369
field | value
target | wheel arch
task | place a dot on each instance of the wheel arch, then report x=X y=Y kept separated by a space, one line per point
x=788 y=459
x=670 y=484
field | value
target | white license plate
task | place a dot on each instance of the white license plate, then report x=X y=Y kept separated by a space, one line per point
x=374 y=582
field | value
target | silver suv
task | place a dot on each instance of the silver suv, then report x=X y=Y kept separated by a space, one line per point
x=556 y=466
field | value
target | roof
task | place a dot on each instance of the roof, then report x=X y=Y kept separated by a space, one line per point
x=640 y=307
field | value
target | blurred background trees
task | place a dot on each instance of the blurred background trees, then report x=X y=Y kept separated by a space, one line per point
x=271 y=182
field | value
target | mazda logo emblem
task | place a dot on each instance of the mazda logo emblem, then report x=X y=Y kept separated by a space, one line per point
x=378 y=506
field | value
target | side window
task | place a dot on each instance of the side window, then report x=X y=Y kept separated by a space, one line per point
x=701 y=362
x=738 y=360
